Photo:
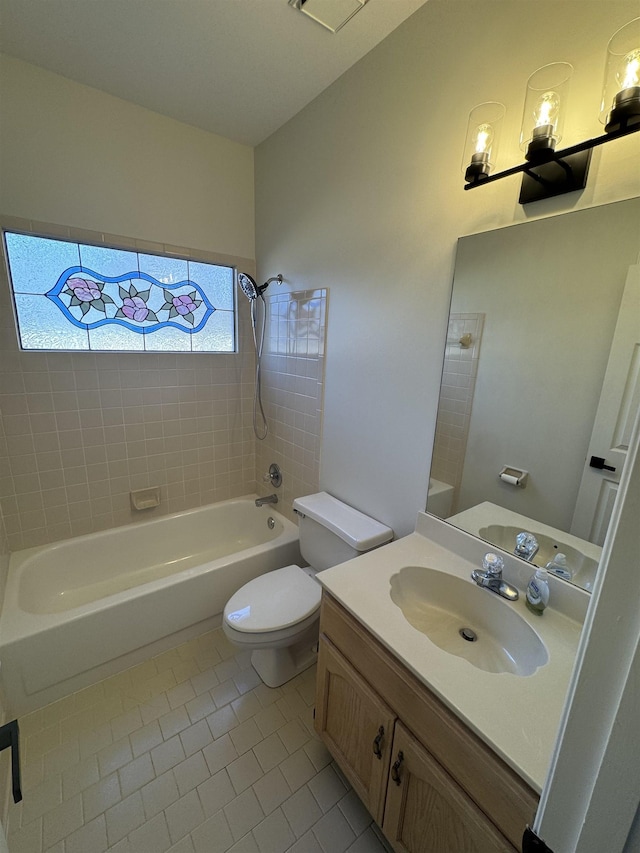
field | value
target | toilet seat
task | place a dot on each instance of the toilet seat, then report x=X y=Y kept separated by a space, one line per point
x=276 y=601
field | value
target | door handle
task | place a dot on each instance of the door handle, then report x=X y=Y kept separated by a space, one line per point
x=599 y=463
x=377 y=741
x=9 y=738
x=395 y=770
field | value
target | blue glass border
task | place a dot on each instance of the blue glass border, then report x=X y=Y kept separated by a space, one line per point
x=54 y=296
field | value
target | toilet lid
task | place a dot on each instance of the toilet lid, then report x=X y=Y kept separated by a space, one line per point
x=272 y=601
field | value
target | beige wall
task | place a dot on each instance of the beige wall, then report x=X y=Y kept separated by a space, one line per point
x=367 y=186
x=75 y=156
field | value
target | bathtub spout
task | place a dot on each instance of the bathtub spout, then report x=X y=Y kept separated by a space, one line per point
x=270 y=499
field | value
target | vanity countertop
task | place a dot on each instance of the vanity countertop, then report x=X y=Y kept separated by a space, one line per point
x=517 y=716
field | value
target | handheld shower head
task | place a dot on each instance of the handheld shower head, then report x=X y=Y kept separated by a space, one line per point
x=249 y=287
x=252 y=292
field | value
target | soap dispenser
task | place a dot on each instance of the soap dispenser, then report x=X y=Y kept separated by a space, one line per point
x=538 y=591
x=558 y=566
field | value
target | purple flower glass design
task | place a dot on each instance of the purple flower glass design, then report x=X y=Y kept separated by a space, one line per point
x=135 y=308
x=87 y=294
x=183 y=305
x=134 y=305
x=134 y=300
x=83 y=289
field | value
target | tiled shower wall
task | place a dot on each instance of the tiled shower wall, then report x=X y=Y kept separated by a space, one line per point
x=456 y=398
x=293 y=382
x=84 y=429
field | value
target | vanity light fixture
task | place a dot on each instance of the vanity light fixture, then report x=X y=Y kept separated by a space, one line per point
x=546 y=171
x=483 y=134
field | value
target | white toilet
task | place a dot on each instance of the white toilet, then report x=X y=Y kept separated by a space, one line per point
x=277 y=614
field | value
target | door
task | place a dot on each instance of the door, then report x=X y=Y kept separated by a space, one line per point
x=356 y=725
x=619 y=402
x=427 y=811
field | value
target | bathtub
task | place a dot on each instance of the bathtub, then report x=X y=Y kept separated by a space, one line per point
x=79 y=610
x=440 y=498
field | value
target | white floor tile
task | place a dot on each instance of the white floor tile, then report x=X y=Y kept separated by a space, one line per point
x=124 y=817
x=271 y=790
x=297 y=769
x=197 y=736
x=144 y=739
x=302 y=811
x=185 y=753
x=270 y=752
x=137 y=773
x=327 y=788
x=61 y=821
x=246 y=736
x=274 y=833
x=352 y=808
x=212 y=836
x=333 y=832
x=101 y=796
x=190 y=773
x=184 y=815
x=28 y=839
x=159 y=794
x=219 y=754
x=91 y=836
x=152 y=836
x=167 y=754
x=243 y=813
x=307 y=844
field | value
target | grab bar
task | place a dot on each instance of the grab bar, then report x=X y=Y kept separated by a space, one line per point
x=9 y=737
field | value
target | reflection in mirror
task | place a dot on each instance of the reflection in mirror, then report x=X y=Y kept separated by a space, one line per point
x=541 y=372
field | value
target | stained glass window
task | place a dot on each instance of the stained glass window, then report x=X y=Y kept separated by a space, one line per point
x=75 y=296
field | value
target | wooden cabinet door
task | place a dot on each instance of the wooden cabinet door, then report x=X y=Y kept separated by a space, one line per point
x=427 y=812
x=356 y=725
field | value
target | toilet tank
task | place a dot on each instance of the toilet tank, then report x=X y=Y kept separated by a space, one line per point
x=332 y=532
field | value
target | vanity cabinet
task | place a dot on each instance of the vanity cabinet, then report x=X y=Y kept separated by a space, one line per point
x=429 y=783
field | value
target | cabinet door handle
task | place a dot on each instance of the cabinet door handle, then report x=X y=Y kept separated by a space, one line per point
x=395 y=770
x=376 y=742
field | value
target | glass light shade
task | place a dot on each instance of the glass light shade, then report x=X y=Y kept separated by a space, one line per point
x=620 y=107
x=544 y=109
x=481 y=144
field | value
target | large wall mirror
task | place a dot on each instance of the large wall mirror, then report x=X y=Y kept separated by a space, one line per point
x=541 y=373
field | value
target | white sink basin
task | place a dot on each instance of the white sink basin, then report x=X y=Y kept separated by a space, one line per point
x=583 y=568
x=441 y=605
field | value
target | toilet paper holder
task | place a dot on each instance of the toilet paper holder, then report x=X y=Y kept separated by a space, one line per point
x=514 y=476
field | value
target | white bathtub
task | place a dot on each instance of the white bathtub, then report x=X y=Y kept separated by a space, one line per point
x=79 y=610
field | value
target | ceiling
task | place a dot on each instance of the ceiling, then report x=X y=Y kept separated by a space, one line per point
x=238 y=68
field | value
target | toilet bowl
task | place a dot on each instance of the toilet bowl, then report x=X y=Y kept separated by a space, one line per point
x=277 y=614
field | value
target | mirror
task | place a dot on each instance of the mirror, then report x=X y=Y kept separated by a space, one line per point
x=534 y=309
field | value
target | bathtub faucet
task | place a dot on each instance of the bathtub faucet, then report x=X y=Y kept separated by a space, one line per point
x=270 y=499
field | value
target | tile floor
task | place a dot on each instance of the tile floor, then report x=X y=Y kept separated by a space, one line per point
x=189 y=753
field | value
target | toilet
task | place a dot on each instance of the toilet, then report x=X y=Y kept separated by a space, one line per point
x=277 y=615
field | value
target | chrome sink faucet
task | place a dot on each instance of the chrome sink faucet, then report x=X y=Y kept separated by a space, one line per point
x=270 y=499
x=490 y=577
x=526 y=546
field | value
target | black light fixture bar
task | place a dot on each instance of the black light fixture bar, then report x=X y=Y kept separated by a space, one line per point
x=572 y=169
